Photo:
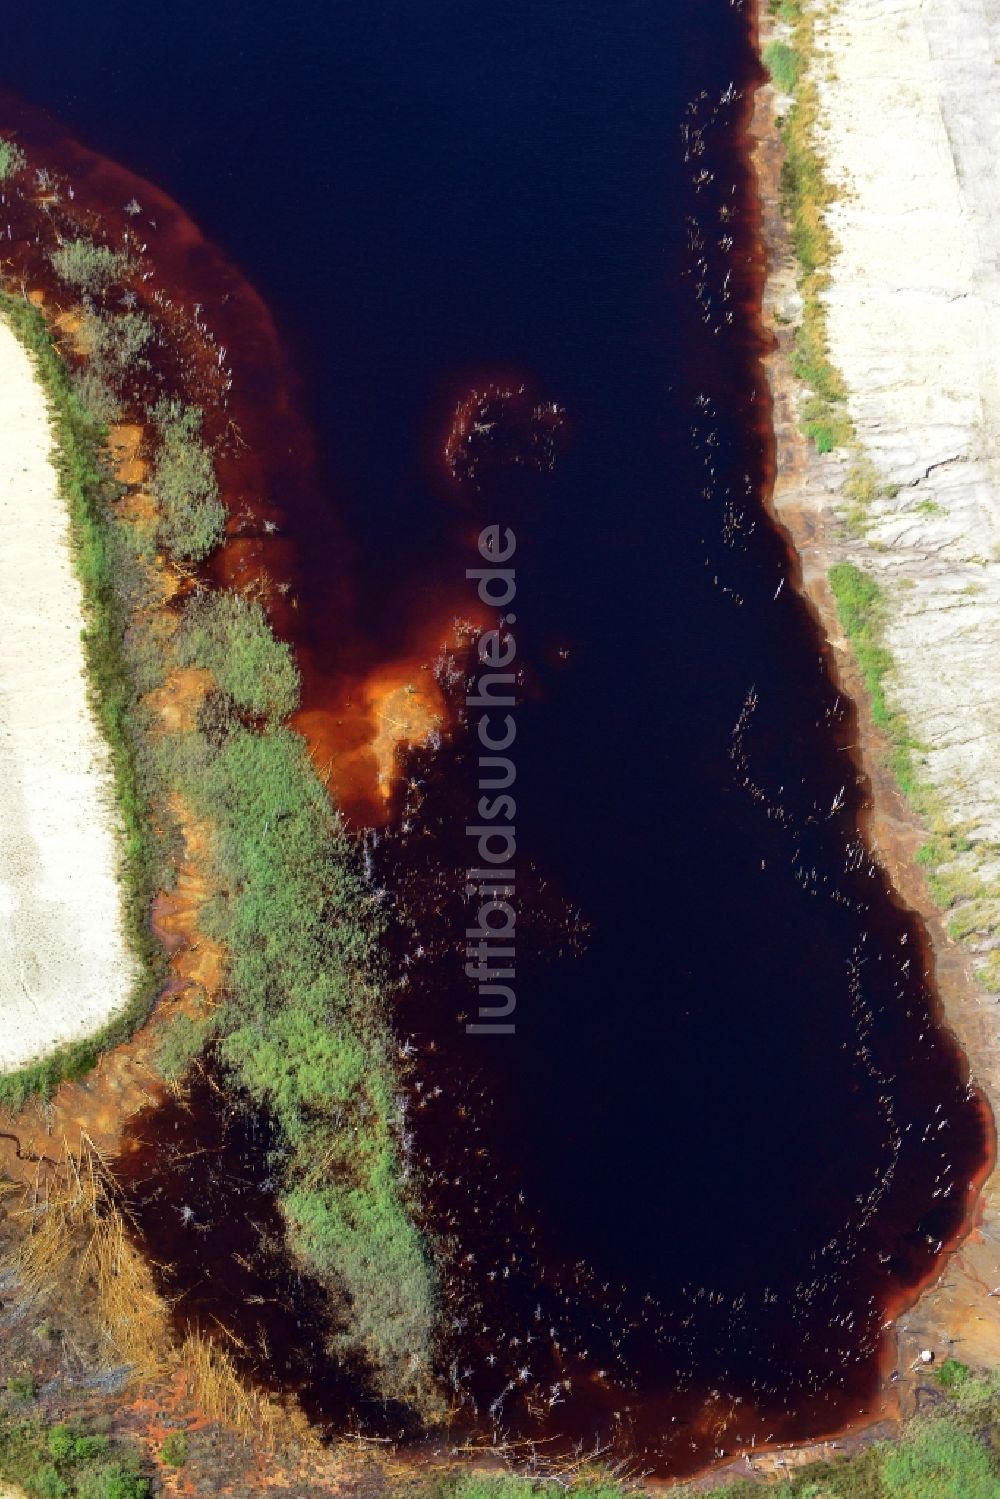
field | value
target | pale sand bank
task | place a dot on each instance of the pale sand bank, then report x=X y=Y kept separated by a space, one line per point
x=64 y=965
x=912 y=134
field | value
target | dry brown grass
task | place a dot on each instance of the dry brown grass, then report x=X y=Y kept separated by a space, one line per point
x=214 y=1385
x=74 y=1228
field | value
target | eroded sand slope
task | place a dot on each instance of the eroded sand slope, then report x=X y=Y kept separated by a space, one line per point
x=64 y=967
x=912 y=136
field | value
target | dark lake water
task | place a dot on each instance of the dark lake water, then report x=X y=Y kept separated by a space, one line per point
x=726 y=1137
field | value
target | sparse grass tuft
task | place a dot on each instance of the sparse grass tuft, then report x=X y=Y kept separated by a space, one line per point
x=782 y=62
x=860 y=607
x=988 y=972
x=217 y=1390
x=463 y=1485
x=12 y=159
x=74 y=1226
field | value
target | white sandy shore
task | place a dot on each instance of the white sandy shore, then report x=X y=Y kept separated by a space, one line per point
x=912 y=134
x=64 y=965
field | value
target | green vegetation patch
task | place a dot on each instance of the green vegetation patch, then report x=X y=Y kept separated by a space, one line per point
x=782 y=62
x=118 y=342
x=951 y=1454
x=89 y=267
x=183 y=484
x=231 y=637
x=174 y=1451
x=12 y=159
x=68 y=1462
x=940 y=1460
x=860 y=605
x=304 y=1026
x=305 y=1029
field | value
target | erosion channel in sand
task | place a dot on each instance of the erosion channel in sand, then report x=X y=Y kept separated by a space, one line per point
x=64 y=965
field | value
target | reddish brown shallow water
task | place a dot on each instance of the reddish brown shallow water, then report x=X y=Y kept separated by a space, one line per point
x=727 y=1140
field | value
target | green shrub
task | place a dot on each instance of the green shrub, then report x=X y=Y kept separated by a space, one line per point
x=117 y=341
x=782 y=62
x=89 y=267
x=67 y=1462
x=113 y=1481
x=12 y=159
x=231 y=637
x=174 y=1451
x=95 y=397
x=951 y=1375
x=184 y=485
x=22 y=1387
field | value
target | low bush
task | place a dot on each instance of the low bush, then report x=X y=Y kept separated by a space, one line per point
x=95 y=396
x=184 y=485
x=68 y=1462
x=174 y=1451
x=952 y=1374
x=116 y=342
x=87 y=266
x=12 y=159
x=782 y=62
x=231 y=637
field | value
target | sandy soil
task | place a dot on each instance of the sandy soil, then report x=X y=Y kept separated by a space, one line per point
x=64 y=966
x=912 y=119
